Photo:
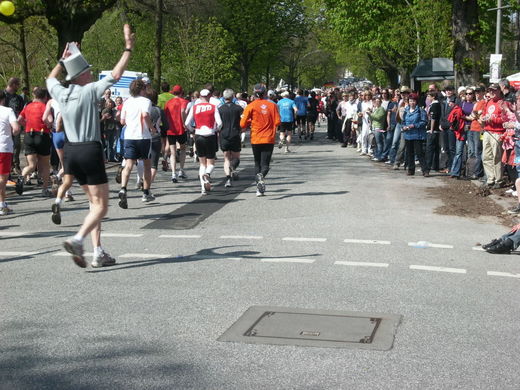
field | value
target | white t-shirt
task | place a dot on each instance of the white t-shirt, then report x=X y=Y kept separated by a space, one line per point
x=132 y=113
x=57 y=112
x=7 y=117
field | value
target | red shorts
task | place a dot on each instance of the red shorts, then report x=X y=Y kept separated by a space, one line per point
x=5 y=163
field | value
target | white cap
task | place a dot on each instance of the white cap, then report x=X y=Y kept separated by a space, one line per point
x=75 y=65
x=205 y=92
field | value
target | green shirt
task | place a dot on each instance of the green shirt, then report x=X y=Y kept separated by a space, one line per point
x=378 y=118
x=163 y=98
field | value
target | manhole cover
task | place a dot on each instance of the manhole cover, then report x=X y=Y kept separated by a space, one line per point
x=315 y=328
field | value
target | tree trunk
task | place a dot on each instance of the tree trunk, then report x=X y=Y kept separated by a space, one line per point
x=466 y=48
x=393 y=76
x=23 y=52
x=158 y=43
x=244 y=83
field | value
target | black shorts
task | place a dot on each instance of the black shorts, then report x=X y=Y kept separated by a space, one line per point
x=232 y=144
x=286 y=126
x=301 y=119
x=181 y=139
x=138 y=149
x=156 y=151
x=206 y=146
x=37 y=143
x=86 y=161
x=312 y=118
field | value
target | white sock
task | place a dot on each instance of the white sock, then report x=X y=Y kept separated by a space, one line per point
x=209 y=169
x=58 y=201
x=3 y=204
x=78 y=238
x=98 y=251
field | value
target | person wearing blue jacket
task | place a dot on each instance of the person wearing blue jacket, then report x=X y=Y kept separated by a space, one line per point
x=414 y=130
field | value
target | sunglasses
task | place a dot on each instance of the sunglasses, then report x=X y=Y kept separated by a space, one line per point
x=469 y=93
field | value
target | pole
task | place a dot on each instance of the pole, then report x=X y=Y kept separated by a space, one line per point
x=499 y=27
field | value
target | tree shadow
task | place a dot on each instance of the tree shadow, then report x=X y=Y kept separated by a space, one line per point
x=201 y=255
x=25 y=257
x=310 y=194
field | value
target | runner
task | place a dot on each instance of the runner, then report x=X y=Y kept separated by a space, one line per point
x=242 y=102
x=230 y=135
x=263 y=117
x=175 y=111
x=138 y=139
x=207 y=122
x=301 y=115
x=9 y=127
x=312 y=114
x=287 y=110
x=37 y=142
x=17 y=103
x=84 y=152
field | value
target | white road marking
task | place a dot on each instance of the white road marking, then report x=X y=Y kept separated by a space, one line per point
x=6 y=254
x=180 y=236
x=506 y=274
x=144 y=256
x=66 y=254
x=478 y=248
x=355 y=241
x=243 y=237
x=287 y=260
x=307 y=239
x=361 y=264
x=431 y=245
x=13 y=234
x=438 y=269
x=129 y=235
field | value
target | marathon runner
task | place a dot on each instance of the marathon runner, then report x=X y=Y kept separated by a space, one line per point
x=175 y=111
x=9 y=127
x=287 y=110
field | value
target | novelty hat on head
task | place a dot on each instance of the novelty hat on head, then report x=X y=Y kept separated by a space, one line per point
x=75 y=65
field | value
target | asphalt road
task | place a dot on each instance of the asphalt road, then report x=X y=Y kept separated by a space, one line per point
x=335 y=232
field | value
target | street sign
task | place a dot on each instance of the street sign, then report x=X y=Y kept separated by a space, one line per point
x=121 y=88
x=495 y=65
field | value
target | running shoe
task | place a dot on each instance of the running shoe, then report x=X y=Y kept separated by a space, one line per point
x=203 y=192
x=260 y=184
x=69 y=197
x=139 y=185
x=102 y=260
x=10 y=183
x=19 y=185
x=206 y=181
x=287 y=150
x=118 y=174
x=164 y=165
x=174 y=178
x=192 y=153
x=234 y=175
x=280 y=145
x=75 y=248
x=123 y=202
x=47 y=193
x=181 y=174
x=228 y=183
x=148 y=198
x=56 y=216
x=514 y=210
x=5 y=210
x=258 y=193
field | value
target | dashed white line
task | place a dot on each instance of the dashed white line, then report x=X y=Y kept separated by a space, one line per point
x=5 y=254
x=122 y=235
x=243 y=237
x=356 y=241
x=180 y=236
x=429 y=245
x=505 y=274
x=304 y=239
x=361 y=264
x=478 y=248
x=144 y=256
x=65 y=254
x=287 y=260
x=438 y=269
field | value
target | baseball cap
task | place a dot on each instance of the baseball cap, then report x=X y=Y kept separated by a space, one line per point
x=177 y=89
x=259 y=88
x=205 y=92
x=405 y=89
x=494 y=86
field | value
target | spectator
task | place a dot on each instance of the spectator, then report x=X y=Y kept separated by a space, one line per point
x=378 y=117
x=507 y=91
x=474 y=144
x=17 y=103
x=433 y=111
x=456 y=118
x=414 y=130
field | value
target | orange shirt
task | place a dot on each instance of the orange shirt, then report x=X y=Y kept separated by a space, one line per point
x=263 y=117
x=479 y=106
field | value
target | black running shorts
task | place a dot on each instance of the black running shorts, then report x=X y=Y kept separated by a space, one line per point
x=301 y=119
x=138 y=149
x=286 y=126
x=37 y=143
x=86 y=161
x=232 y=144
x=206 y=146
x=181 y=139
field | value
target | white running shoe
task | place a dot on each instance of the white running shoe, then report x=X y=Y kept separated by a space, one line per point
x=148 y=198
x=174 y=178
x=228 y=183
x=102 y=260
x=514 y=193
x=258 y=193
x=181 y=174
x=206 y=181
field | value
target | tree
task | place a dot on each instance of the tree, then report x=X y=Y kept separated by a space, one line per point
x=466 y=45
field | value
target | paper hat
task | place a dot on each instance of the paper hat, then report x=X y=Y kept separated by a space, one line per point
x=75 y=65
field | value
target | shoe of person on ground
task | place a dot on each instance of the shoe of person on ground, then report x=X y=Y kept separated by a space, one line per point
x=234 y=175
x=19 y=185
x=102 y=260
x=259 y=193
x=75 y=248
x=490 y=244
x=148 y=197
x=503 y=247
x=69 y=197
x=118 y=174
x=207 y=182
x=260 y=184
x=123 y=202
x=181 y=174
x=165 y=166
x=56 y=215
x=514 y=210
x=174 y=178
x=228 y=183
x=47 y=193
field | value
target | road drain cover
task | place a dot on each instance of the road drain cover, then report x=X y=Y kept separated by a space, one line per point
x=314 y=328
